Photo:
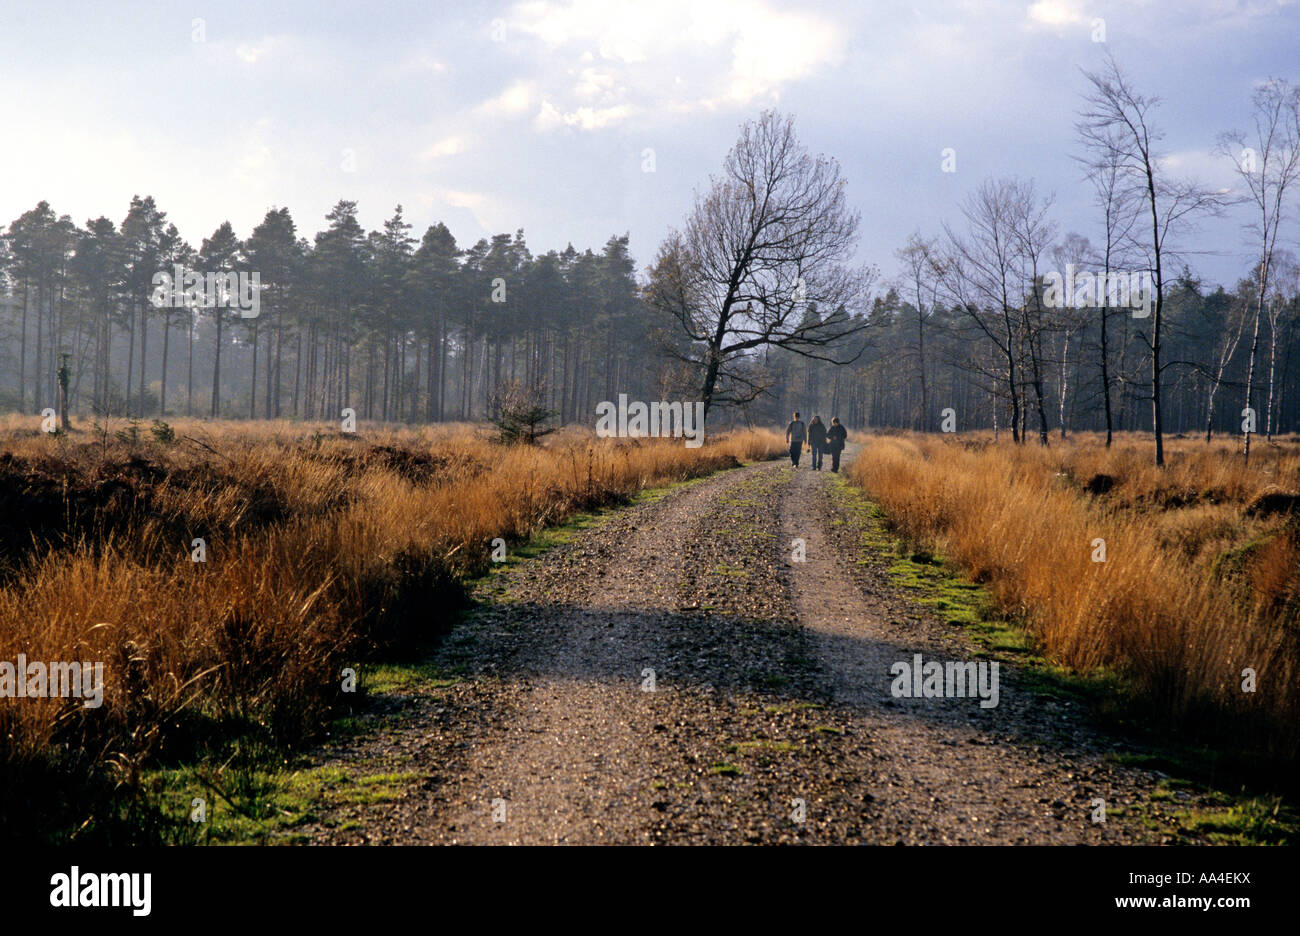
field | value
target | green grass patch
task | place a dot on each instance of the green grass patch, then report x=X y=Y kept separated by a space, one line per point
x=256 y=805
x=1253 y=821
x=420 y=676
x=1220 y=818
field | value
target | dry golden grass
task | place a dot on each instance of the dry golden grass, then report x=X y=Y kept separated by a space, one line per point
x=320 y=547
x=1196 y=585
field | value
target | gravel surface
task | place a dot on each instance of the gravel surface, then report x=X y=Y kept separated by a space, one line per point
x=769 y=717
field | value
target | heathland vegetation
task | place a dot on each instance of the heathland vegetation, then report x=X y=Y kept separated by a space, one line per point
x=317 y=548
x=1183 y=582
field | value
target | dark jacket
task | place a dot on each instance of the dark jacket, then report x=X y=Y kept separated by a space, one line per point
x=835 y=437
x=817 y=434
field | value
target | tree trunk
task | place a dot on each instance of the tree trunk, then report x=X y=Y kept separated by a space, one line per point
x=1157 y=417
x=189 y=380
x=144 y=350
x=1250 y=375
x=130 y=361
x=162 y=387
x=216 y=370
x=252 y=384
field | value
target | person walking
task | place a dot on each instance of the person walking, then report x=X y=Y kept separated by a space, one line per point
x=836 y=436
x=795 y=433
x=817 y=441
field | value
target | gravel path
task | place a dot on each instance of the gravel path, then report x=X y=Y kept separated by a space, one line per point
x=674 y=675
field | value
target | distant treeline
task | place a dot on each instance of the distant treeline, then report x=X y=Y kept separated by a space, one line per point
x=407 y=330
x=394 y=328
x=924 y=360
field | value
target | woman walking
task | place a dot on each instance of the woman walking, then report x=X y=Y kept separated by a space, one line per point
x=817 y=441
x=836 y=436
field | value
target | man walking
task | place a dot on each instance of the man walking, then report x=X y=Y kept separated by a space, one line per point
x=795 y=433
x=835 y=438
x=817 y=441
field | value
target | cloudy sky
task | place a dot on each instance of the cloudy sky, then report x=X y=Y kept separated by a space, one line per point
x=496 y=116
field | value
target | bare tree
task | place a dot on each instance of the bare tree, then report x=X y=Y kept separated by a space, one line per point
x=1227 y=347
x=1075 y=251
x=985 y=276
x=764 y=260
x=1269 y=167
x=1115 y=196
x=1116 y=127
x=1033 y=234
x=922 y=268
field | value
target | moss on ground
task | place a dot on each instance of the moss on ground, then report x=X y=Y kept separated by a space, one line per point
x=251 y=804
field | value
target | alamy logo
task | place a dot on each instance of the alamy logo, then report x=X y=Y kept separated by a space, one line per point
x=102 y=890
x=951 y=680
x=1085 y=290
x=38 y=680
x=227 y=290
x=675 y=420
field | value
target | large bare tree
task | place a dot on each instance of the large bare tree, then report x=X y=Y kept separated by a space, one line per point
x=766 y=258
x=1117 y=127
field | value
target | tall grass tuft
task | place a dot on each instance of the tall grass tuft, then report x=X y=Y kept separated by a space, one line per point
x=1201 y=573
x=319 y=548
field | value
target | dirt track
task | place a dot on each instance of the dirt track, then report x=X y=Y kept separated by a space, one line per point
x=771 y=717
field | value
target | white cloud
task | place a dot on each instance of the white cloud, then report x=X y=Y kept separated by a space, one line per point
x=619 y=31
x=734 y=51
x=777 y=49
x=584 y=118
x=448 y=146
x=1055 y=13
x=1205 y=166
x=516 y=99
x=593 y=82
